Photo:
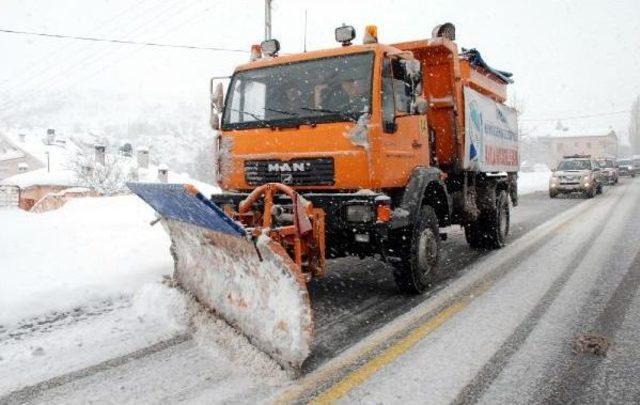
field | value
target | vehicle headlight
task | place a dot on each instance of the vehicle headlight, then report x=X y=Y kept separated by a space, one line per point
x=359 y=213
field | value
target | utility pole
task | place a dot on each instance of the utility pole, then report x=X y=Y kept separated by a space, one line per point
x=305 y=30
x=267 y=19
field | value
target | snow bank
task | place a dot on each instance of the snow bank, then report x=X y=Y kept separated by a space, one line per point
x=530 y=182
x=90 y=249
x=43 y=177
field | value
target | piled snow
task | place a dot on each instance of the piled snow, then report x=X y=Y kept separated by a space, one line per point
x=60 y=177
x=150 y=175
x=90 y=249
x=537 y=180
x=85 y=284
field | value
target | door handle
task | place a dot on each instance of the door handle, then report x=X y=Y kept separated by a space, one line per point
x=415 y=144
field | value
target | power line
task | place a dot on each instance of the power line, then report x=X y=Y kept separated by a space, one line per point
x=80 y=60
x=83 y=63
x=575 y=116
x=122 y=41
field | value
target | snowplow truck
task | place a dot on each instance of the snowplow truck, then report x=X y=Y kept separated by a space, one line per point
x=365 y=150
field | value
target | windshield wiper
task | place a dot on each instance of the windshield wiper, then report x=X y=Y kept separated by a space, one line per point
x=325 y=110
x=280 y=111
x=254 y=116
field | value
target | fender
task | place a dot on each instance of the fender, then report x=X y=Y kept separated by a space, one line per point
x=425 y=185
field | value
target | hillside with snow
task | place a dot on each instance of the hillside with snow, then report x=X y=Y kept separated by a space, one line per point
x=176 y=130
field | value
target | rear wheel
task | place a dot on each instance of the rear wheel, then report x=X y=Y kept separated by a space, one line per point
x=492 y=227
x=599 y=189
x=415 y=272
x=498 y=222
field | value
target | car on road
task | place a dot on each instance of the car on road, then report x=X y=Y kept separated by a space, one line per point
x=635 y=160
x=626 y=168
x=609 y=169
x=576 y=173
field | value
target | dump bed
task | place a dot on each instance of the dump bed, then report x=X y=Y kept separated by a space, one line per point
x=472 y=127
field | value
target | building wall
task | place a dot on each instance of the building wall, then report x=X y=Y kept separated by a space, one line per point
x=596 y=146
x=29 y=196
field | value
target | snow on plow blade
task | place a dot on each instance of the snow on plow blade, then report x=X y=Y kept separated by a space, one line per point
x=262 y=294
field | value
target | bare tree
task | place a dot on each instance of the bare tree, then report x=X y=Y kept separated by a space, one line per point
x=634 y=126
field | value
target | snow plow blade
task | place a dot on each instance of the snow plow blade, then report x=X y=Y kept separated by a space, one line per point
x=253 y=285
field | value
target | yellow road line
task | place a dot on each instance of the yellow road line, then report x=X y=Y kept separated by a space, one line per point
x=359 y=376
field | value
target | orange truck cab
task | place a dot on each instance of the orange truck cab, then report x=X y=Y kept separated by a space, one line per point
x=393 y=142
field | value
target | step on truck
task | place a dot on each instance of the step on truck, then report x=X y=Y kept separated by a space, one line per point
x=363 y=149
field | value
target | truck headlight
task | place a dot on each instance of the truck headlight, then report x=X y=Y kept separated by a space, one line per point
x=359 y=213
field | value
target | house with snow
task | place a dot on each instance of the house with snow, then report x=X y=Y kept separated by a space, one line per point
x=597 y=143
x=42 y=168
x=13 y=159
x=62 y=170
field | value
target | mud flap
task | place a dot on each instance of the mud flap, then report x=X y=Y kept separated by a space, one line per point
x=261 y=294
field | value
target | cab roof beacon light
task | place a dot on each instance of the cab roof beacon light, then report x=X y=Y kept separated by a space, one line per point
x=345 y=34
x=256 y=52
x=370 y=35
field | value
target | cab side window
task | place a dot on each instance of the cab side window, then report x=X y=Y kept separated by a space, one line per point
x=388 y=108
x=401 y=88
x=396 y=90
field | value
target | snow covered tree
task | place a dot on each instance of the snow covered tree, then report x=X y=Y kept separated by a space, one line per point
x=106 y=178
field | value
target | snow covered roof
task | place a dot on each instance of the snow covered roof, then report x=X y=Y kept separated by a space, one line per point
x=41 y=177
x=8 y=151
x=574 y=133
x=58 y=153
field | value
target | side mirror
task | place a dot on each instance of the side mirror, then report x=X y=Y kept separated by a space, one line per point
x=217 y=96
x=420 y=105
x=217 y=103
x=214 y=120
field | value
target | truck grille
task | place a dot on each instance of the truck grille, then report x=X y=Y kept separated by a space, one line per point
x=296 y=172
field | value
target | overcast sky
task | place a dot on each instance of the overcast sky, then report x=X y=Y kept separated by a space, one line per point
x=569 y=58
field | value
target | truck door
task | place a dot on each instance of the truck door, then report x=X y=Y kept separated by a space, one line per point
x=405 y=135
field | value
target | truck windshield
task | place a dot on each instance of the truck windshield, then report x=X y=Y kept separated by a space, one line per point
x=322 y=90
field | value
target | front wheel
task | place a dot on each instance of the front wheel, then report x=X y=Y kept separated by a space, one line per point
x=415 y=272
x=590 y=193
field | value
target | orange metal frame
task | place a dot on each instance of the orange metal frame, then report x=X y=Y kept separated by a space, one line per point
x=303 y=240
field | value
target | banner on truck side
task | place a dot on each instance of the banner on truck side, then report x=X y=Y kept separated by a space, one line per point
x=491 y=134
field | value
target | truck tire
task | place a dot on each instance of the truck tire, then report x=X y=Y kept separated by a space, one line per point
x=414 y=273
x=492 y=227
x=497 y=223
x=553 y=194
x=474 y=235
x=590 y=193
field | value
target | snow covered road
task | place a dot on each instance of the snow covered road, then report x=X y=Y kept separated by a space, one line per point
x=152 y=345
x=514 y=343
